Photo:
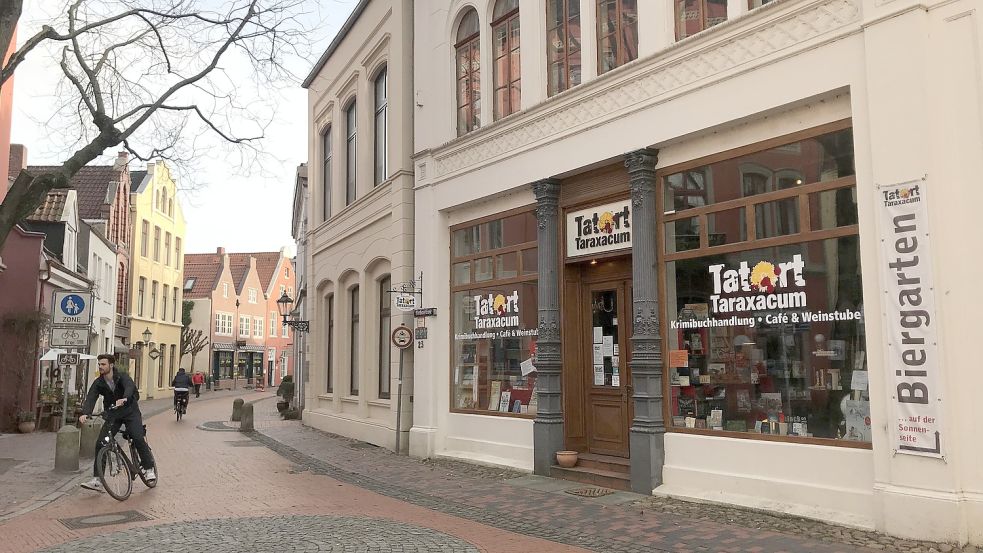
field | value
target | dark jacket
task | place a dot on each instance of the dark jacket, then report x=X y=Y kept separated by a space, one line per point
x=181 y=380
x=125 y=388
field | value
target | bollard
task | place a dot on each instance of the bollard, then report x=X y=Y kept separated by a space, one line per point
x=247 y=418
x=237 y=409
x=67 y=449
x=89 y=435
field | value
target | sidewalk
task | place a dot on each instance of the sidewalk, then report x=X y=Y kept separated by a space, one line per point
x=546 y=508
x=27 y=477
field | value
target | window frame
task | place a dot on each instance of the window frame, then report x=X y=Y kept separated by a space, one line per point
x=621 y=57
x=153 y=299
x=167 y=248
x=381 y=166
x=472 y=77
x=385 y=328
x=163 y=302
x=805 y=235
x=351 y=152
x=141 y=295
x=157 y=244
x=354 y=327
x=504 y=23
x=703 y=10
x=564 y=60
x=327 y=159
x=144 y=237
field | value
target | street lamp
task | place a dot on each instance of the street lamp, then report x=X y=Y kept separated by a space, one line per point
x=283 y=304
x=147 y=337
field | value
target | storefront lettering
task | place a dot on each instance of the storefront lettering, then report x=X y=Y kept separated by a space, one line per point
x=763 y=278
x=497 y=311
x=910 y=392
x=599 y=229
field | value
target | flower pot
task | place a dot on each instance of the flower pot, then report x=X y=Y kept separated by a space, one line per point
x=566 y=459
x=25 y=427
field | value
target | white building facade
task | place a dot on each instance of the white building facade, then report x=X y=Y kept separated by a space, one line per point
x=711 y=252
x=100 y=266
x=360 y=225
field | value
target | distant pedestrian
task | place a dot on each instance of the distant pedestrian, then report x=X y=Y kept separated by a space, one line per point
x=198 y=379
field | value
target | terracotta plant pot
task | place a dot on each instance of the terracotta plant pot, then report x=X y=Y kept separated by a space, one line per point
x=566 y=459
x=25 y=427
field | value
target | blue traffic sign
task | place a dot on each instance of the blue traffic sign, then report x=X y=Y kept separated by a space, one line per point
x=72 y=305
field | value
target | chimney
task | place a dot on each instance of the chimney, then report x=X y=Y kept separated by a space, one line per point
x=121 y=159
x=18 y=159
x=220 y=250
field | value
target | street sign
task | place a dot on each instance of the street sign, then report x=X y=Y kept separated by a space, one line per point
x=402 y=337
x=421 y=333
x=71 y=308
x=405 y=301
x=68 y=359
x=62 y=337
x=154 y=354
x=425 y=312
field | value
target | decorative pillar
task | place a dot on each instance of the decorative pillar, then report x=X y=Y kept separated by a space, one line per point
x=548 y=427
x=647 y=439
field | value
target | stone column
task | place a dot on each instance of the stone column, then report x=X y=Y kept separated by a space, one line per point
x=648 y=428
x=548 y=428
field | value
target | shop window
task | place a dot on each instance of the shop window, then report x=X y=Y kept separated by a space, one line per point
x=505 y=55
x=563 y=47
x=765 y=331
x=495 y=322
x=468 y=73
x=617 y=33
x=693 y=16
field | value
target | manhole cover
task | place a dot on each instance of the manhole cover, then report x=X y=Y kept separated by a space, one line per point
x=245 y=443
x=218 y=426
x=92 y=521
x=590 y=492
x=361 y=445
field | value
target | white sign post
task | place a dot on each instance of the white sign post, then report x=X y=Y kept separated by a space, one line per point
x=912 y=360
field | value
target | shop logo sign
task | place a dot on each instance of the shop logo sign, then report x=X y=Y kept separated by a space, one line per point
x=758 y=288
x=599 y=229
x=497 y=311
x=405 y=302
x=902 y=195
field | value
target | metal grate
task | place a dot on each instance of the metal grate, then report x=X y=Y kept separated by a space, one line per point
x=590 y=492
x=107 y=519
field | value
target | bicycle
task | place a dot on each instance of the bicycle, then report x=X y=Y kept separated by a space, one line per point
x=116 y=470
x=181 y=403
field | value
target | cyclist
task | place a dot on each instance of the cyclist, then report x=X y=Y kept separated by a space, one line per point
x=182 y=387
x=119 y=392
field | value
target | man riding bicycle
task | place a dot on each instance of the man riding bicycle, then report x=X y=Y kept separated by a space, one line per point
x=120 y=394
x=182 y=387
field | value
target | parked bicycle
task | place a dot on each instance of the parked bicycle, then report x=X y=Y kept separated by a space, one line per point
x=117 y=470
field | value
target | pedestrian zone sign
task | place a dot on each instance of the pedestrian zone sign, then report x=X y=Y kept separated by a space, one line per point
x=72 y=309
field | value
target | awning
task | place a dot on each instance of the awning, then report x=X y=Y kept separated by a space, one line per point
x=118 y=345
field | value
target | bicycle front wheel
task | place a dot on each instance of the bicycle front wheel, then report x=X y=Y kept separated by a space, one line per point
x=114 y=473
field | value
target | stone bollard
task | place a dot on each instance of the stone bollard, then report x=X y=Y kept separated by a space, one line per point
x=67 y=449
x=237 y=409
x=89 y=435
x=247 y=418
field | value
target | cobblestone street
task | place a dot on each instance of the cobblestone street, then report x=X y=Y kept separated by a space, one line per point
x=289 y=488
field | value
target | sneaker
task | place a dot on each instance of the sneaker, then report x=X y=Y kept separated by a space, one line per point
x=94 y=485
x=150 y=475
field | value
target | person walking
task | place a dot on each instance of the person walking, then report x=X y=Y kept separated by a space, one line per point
x=198 y=379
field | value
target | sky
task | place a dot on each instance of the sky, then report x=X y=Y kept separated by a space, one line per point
x=241 y=207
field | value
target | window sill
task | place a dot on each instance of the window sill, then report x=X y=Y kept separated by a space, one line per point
x=380 y=403
x=831 y=442
x=350 y=399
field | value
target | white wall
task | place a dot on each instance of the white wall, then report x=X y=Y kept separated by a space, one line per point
x=101 y=270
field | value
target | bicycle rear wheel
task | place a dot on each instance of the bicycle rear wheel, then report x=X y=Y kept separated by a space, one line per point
x=114 y=473
x=178 y=411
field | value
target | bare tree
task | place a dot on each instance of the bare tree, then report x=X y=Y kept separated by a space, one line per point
x=192 y=342
x=151 y=75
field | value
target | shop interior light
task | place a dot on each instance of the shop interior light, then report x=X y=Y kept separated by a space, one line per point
x=742 y=340
x=593 y=262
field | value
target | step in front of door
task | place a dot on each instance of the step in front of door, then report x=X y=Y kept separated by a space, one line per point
x=593 y=476
x=604 y=462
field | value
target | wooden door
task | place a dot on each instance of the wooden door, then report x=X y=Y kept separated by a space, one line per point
x=605 y=334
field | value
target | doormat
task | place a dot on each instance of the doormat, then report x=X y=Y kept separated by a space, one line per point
x=108 y=519
x=590 y=492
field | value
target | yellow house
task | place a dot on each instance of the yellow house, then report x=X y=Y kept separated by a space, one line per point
x=156 y=268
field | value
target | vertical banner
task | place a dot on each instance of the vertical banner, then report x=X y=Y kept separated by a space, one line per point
x=912 y=359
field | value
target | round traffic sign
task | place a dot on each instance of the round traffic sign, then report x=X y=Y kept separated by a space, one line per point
x=72 y=305
x=402 y=337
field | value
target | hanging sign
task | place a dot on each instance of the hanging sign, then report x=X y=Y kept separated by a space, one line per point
x=404 y=301
x=599 y=229
x=912 y=360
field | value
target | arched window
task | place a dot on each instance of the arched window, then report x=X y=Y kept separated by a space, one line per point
x=617 y=33
x=326 y=173
x=381 y=126
x=468 y=73
x=693 y=16
x=505 y=50
x=350 y=159
x=563 y=44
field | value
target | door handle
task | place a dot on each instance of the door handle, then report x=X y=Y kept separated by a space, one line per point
x=629 y=391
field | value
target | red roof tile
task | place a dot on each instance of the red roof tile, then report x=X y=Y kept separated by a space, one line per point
x=52 y=209
x=266 y=265
x=96 y=185
x=204 y=268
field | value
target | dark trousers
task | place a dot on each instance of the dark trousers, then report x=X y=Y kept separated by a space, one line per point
x=197 y=390
x=134 y=425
